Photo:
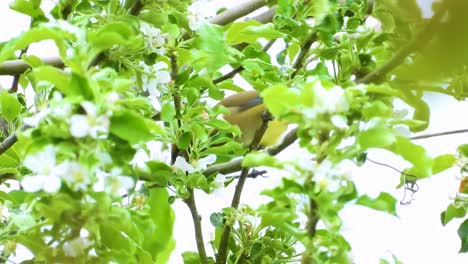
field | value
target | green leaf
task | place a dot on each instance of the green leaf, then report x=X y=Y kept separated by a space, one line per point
x=168 y=111
x=415 y=154
x=57 y=77
x=30 y=8
x=377 y=109
x=162 y=242
x=217 y=219
x=385 y=202
x=197 y=180
x=256 y=159
x=463 y=149
x=463 y=234
x=212 y=51
x=191 y=257
x=42 y=32
x=377 y=137
x=10 y=107
x=279 y=99
x=251 y=30
x=109 y=35
x=442 y=162
x=452 y=211
x=131 y=127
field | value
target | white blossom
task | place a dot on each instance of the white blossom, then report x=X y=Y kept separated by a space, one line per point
x=113 y=182
x=76 y=247
x=198 y=14
x=330 y=100
x=4 y=213
x=154 y=39
x=74 y=175
x=153 y=152
x=43 y=165
x=373 y=24
x=155 y=77
x=331 y=174
x=89 y=124
x=402 y=130
x=197 y=166
x=339 y=122
x=219 y=180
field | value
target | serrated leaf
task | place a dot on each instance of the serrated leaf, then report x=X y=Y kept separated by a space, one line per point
x=385 y=202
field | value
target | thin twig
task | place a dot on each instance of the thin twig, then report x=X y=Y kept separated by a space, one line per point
x=198 y=228
x=221 y=257
x=8 y=143
x=393 y=168
x=235 y=71
x=418 y=42
x=14 y=85
x=460 y=131
x=303 y=54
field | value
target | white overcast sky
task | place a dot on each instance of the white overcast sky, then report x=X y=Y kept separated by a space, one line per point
x=416 y=236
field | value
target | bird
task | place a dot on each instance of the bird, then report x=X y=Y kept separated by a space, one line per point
x=246 y=110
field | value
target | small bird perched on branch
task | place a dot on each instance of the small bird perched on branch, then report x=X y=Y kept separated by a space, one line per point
x=246 y=110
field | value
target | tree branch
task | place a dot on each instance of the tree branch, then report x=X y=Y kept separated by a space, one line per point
x=15 y=67
x=303 y=53
x=221 y=257
x=198 y=228
x=418 y=42
x=239 y=11
x=14 y=85
x=8 y=143
x=235 y=165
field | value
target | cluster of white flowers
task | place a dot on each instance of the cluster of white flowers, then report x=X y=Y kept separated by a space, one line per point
x=198 y=166
x=154 y=153
x=48 y=175
x=154 y=39
x=331 y=101
x=90 y=124
x=60 y=111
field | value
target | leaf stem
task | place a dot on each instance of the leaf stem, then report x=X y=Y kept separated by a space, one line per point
x=303 y=54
